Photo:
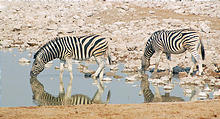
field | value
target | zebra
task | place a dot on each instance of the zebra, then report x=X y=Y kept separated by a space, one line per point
x=173 y=42
x=41 y=97
x=71 y=47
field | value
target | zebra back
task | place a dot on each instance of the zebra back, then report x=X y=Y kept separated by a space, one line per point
x=79 y=48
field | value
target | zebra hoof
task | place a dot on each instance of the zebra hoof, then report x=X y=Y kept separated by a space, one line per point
x=94 y=76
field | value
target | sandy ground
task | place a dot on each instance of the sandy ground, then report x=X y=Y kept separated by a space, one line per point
x=180 y=110
x=28 y=26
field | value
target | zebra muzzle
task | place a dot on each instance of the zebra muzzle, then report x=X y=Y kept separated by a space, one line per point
x=32 y=74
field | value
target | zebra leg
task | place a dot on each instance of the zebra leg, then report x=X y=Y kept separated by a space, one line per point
x=61 y=76
x=168 y=55
x=193 y=65
x=157 y=61
x=101 y=75
x=69 y=88
x=69 y=66
x=101 y=63
x=196 y=59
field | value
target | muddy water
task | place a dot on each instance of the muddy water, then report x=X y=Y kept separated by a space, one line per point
x=16 y=89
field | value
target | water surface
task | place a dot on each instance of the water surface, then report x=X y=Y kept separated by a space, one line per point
x=15 y=87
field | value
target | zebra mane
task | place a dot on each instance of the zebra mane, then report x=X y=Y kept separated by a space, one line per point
x=37 y=53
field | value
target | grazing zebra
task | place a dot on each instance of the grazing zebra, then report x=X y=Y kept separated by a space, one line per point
x=173 y=42
x=41 y=97
x=70 y=47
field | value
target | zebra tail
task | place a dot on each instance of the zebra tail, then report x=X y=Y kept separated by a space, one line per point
x=108 y=97
x=202 y=50
x=109 y=59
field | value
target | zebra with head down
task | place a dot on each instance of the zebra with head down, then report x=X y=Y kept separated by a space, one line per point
x=173 y=42
x=70 y=47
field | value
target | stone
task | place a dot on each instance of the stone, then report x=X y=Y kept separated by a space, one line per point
x=207 y=89
x=204 y=27
x=168 y=87
x=106 y=79
x=24 y=60
x=152 y=12
x=80 y=22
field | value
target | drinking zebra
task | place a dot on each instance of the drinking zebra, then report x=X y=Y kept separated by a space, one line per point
x=173 y=42
x=70 y=47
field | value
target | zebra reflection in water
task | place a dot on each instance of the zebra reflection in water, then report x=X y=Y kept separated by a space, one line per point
x=41 y=97
x=157 y=97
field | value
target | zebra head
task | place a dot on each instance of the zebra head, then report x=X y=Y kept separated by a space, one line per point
x=145 y=63
x=37 y=67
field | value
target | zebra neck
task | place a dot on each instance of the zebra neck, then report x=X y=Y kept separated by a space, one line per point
x=46 y=57
x=148 y=53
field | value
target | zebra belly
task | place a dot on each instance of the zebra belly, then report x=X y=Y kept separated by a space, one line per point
x=80 y=59
x=179 y=51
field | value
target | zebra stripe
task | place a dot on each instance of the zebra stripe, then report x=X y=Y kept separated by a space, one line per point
x=79 y=48
x=173 y=42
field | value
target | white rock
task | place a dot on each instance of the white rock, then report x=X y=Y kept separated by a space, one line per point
x=152 y=12
x=188 y=91
x=216 y=93
x=76 y=17
x=207 y=89
x=113 y=67
x=131 y=78
x=24 y=60
x=29 y=54
x=168 y=87
x=203 y=94
x=180 y=11
x=106 y=79
x=165 y=78
x=80 y=22
x=204 y=27
x=119 y=23
x=57 y=68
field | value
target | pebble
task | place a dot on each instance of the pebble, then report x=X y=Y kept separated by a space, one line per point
x=207 y=89
x=132 y=78
x=216 y=93
x=24 y=60
x=202 y=94
x=168 y=87
x=188 y=91
x=106 y=79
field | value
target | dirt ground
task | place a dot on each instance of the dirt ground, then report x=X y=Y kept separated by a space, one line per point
x=180 y=110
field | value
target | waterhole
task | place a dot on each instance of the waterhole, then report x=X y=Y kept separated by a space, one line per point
x=17 y=89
